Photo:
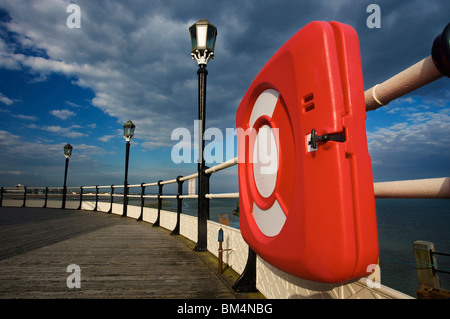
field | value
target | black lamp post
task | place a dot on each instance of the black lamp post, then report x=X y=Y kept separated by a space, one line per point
x=203 y=39
x=67 y=152
x=128 y=132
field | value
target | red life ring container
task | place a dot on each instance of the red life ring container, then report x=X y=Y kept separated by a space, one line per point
x=305 y=179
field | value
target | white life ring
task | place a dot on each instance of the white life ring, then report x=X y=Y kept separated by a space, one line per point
x=267 y=211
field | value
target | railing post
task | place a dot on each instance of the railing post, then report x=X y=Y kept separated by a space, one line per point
x=247 y=281
x=203 y=211
x=176 y=230
x=125 y=183
x=160 y=187
x=46 y=197
x=24 y=196
x=125 y=200
x=111 y=199
x=220 y=252
x=81 y=197
x=1 y=197
x=141 y=217
x=426 y=265
x=63 y=205
x=96 y=198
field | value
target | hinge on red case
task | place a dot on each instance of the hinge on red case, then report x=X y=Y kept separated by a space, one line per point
x=313 y=138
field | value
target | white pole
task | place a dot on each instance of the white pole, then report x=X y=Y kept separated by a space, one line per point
x=423 y=72
x=414 y=77
x=214 y=169
x=223 y=195
x=419 y=188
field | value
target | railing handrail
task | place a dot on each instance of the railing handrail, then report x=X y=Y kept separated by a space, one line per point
x=222 y=166
x=192 y=176
x=418 y=188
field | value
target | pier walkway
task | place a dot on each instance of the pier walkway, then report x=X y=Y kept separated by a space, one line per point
x=117 y=257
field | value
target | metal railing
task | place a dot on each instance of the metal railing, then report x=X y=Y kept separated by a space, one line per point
x=23 y=192
x=427 y=271
x=435 y=269
x=421 y=188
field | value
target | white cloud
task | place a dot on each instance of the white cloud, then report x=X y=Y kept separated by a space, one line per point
x=25 y=117
x=47 y=161
x=14 y=147
x=421 y=141
x=73 y=104
x=89 y=149
x=129 y=55
x=64 y=131
x=153 y=145
x=62 y=114
x=5 y=100
x=106 y=138
x=11 y=172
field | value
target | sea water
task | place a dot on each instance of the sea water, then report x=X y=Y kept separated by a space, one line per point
x=400 y=223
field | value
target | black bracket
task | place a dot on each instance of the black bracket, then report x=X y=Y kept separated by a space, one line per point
x=440 y=51
x=336 y=137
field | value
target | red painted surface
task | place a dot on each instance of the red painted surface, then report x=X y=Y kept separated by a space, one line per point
x=326 y=196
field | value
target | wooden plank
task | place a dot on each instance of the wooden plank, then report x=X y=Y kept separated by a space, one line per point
x=118 y=258
x=23 y=230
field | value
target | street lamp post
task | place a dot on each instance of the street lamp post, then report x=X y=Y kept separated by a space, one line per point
x=203 y=39
x=67 y=152
x=128 y=132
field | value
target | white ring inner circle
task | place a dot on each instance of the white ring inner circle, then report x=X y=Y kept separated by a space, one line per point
x=265 y=165
x=265 y=161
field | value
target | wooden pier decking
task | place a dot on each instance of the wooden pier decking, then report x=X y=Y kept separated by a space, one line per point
x=118 y=258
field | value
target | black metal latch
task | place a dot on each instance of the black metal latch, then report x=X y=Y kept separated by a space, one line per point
x=314 y=138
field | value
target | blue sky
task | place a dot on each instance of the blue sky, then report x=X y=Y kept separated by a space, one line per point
x=131 y=61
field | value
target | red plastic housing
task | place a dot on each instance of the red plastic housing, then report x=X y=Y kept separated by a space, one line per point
x=314 y=217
